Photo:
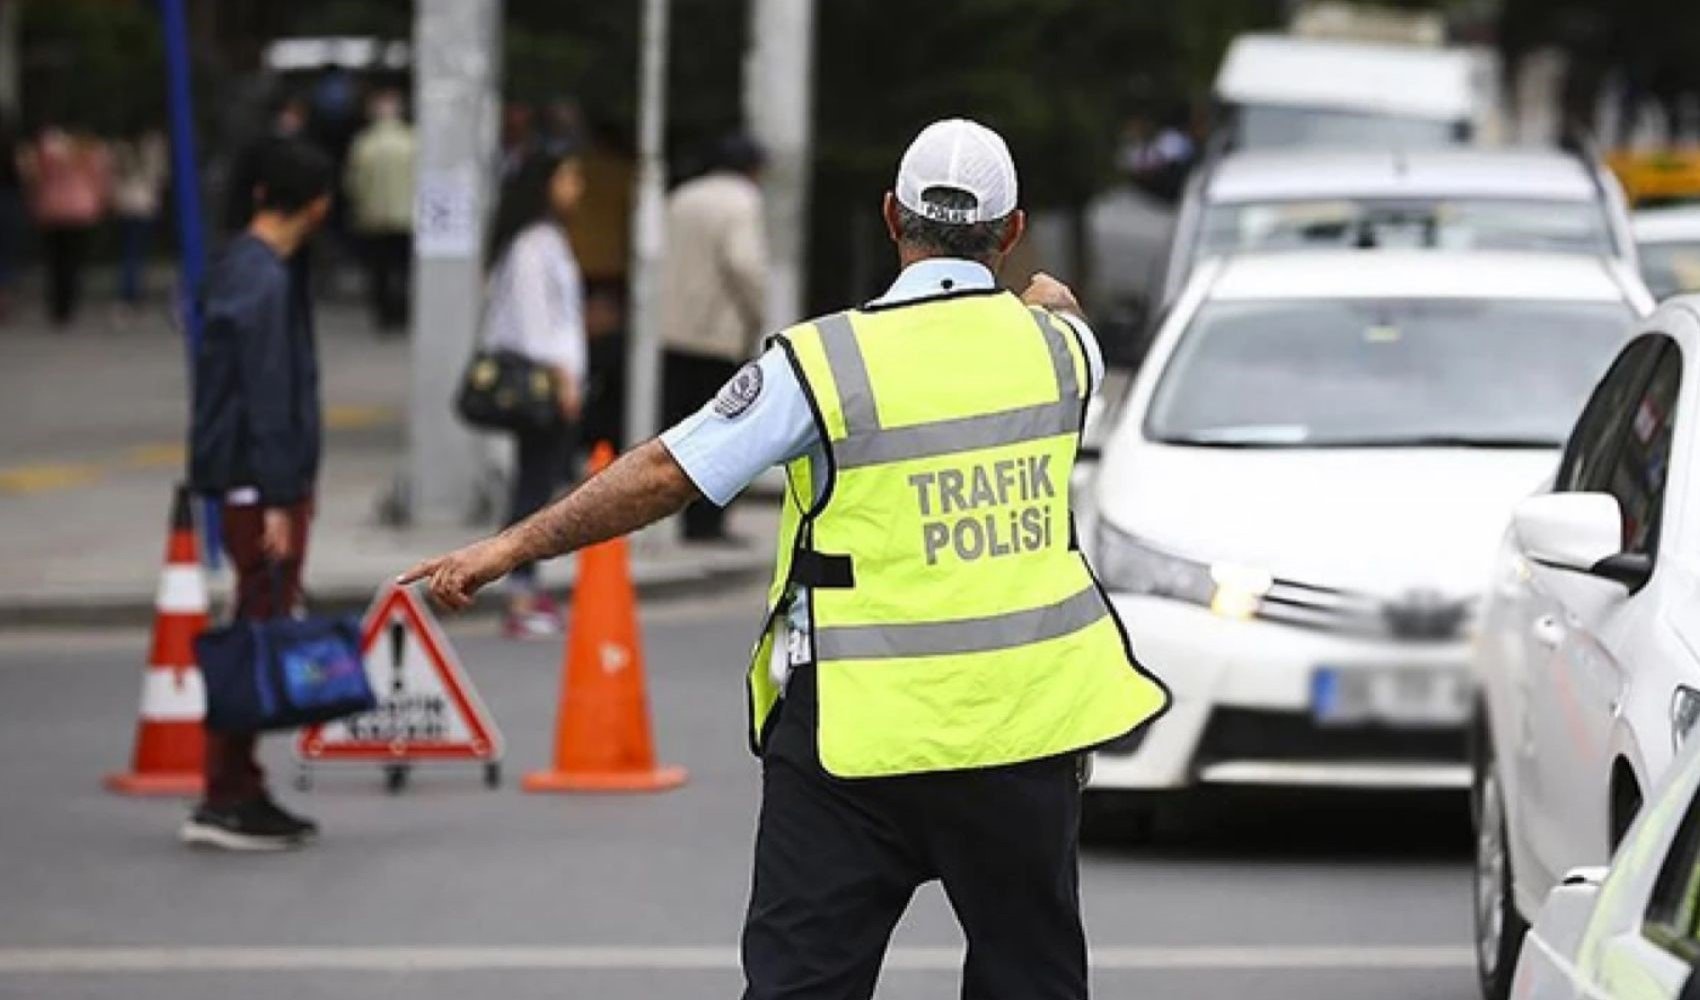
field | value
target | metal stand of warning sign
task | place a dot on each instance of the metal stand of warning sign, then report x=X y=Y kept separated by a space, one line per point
x=428 y=711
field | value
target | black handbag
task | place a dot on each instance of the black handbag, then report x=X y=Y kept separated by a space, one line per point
x=506 y=391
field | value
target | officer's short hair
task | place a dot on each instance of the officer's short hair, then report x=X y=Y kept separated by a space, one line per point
x=289 y=175
x=972 y=241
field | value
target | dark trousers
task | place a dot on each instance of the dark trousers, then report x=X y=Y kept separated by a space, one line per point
x=687 y=382
x=542 y=464
x=263 y=589
x=65 y=248
x=389 y=262
x=837 y=862
x=135 y=233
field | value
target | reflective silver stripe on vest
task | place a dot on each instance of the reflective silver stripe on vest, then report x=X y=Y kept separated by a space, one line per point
x=1068 y=386
x=850 y=373
x=867 y=443
x=945 y=437
x=969 y=635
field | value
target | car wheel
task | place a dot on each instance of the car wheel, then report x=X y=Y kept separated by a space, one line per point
x=1117 y=818
x=1499 y=927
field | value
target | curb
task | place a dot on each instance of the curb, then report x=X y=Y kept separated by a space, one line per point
x=661 y=582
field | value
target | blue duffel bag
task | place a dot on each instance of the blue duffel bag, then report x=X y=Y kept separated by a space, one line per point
x=282 y=673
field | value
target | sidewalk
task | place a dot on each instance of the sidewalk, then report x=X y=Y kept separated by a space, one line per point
x=91 y=429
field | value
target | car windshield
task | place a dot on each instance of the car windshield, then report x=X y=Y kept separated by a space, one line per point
x=1265 y=126
x=1671 y=268
x=1384 y=373
x=1449 y=224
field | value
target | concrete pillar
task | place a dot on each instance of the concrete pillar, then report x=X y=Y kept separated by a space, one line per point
x=643 y=353
x=778 y=104
x=457 y=53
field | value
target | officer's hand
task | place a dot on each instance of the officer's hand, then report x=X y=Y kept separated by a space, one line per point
x=1049 y=293
x=454 y=579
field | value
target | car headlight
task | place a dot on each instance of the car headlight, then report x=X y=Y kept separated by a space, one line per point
x=1684 y=712
x=1129 y=565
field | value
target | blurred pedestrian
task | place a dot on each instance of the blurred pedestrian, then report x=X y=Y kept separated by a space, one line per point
x=140 y=169
x=601 y=237
x=518 y=133
x=68 y=176
x=11 y=210
x=937 y=658
x=378 y=181
x=255 y=442
x=713 y=292
x=288 y=120
x=536 y=309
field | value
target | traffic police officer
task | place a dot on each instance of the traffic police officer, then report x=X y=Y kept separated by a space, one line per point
x=937 y=655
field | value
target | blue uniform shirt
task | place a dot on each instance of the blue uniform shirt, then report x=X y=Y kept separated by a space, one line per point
x=761 y=420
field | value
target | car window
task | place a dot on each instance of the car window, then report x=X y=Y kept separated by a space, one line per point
x=1672 y=920
x=1642 y=465
x=1320 y=373
x=1671 y=268
x=1594 y=437
x=1411 y=223
x=1260 y=126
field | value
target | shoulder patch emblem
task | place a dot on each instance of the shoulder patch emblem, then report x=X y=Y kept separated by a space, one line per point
x=740 y=392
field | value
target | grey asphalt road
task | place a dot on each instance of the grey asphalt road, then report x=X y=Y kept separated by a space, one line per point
x=450 y=890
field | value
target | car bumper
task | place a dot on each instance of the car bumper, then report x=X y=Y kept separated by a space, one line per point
x=1242 y=709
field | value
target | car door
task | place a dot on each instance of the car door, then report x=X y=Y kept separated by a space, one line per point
x=1560 y=740
x=1600 y=619
x=1649 y=953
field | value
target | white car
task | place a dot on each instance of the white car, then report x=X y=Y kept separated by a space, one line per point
x=1669 y=242
x=1299 y=501
x=1446 y=199
x=1629 y=933
x=1588 y=659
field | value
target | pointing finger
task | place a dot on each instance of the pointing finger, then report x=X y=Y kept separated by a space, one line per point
x=418 y=572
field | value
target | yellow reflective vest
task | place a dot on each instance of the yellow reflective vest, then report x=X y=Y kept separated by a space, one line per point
x=955 y=622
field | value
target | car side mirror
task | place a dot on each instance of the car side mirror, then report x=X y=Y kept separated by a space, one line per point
x=1580 y=532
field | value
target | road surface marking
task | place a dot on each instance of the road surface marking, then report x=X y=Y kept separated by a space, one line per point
x=44 y=476
x=639 y=958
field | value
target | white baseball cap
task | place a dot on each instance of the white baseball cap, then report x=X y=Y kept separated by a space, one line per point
x=965 y=156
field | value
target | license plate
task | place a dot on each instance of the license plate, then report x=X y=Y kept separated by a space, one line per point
x=1402 y=696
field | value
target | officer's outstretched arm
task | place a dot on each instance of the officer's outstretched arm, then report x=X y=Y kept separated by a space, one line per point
x=641 y=487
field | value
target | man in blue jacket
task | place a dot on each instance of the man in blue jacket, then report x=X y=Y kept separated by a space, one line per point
x=254 y=443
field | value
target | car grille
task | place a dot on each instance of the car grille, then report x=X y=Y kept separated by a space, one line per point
x=1416 y=616
x=1253 y=734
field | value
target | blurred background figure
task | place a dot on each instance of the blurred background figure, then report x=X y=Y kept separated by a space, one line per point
x=517 y=134
x=601 y=236
x=67 y=175
x=378 y=182
x=140 y=167
x=288 y=121
x=713 y=293
x=11 y=210
x=536 y=309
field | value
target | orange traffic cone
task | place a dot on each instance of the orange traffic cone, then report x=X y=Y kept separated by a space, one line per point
x=602 y=736
x=170 y=745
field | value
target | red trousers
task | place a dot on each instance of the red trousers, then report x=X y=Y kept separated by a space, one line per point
x=263 y=589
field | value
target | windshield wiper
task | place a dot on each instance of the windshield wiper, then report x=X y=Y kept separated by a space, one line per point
x=1440 y=441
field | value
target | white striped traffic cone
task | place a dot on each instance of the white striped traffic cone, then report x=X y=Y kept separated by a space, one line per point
x=170 y=745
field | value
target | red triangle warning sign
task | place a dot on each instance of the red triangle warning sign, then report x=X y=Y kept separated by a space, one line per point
x=427 y=709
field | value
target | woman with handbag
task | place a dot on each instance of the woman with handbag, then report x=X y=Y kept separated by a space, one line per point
x=534 y=320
